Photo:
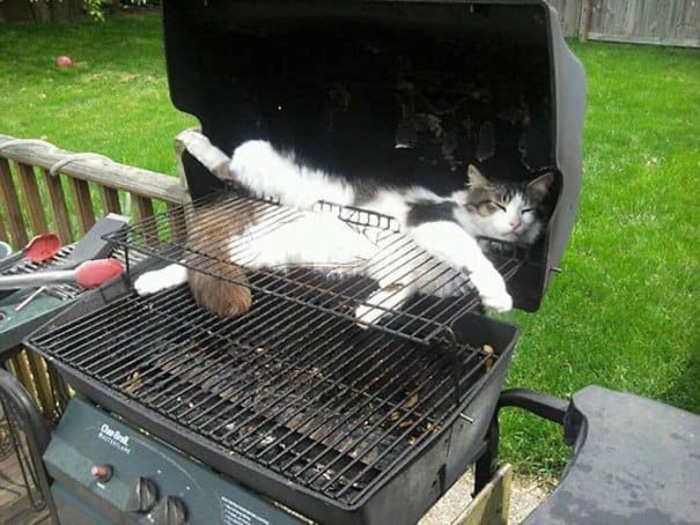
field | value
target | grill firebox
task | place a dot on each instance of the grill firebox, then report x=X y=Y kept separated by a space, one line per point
x=296 y=393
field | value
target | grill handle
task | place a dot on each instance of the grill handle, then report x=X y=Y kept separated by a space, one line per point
x=545 y=406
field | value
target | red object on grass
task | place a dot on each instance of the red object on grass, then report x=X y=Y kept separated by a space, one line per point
x=64 y=61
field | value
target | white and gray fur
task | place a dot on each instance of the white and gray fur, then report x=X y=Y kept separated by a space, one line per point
x=445 y=227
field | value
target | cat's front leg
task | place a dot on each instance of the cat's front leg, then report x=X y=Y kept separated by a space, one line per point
x=492 y=288
x=449 y=243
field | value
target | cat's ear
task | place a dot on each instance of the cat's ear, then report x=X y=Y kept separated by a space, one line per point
x=475 y=177
x=540 y=186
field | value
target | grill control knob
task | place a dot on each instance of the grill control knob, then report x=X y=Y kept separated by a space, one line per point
x=171 y=511
x=144 y=496
x=103 y=473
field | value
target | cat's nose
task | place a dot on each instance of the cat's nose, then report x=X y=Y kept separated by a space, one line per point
x=515 y=224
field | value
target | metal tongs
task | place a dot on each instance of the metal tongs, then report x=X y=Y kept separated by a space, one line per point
x=39 y=249
x=86 y=266
x=88 y=274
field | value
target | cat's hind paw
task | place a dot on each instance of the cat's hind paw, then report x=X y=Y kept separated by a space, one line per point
x=381 y=304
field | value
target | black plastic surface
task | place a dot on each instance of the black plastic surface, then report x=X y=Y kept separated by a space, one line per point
x=636 y=461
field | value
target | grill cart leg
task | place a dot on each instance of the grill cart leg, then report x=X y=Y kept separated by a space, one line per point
x=487 y=464
x=492 y=504
x=22 y=414
x=491 y=483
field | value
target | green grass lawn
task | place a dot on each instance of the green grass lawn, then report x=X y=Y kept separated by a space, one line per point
x=624 y=312
x=114 y=101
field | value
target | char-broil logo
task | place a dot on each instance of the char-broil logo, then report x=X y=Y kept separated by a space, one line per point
x=114 y=438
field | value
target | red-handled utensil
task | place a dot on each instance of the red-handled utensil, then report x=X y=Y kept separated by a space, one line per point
x=89 y=274
x=38 y=250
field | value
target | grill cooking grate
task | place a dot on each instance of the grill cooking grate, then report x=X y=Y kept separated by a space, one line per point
x=422 y=320
x=296 y=389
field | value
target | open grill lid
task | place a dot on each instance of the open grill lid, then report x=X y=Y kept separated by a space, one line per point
x=408 y=92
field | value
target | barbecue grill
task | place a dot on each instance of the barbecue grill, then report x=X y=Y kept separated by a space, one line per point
x=297 y=410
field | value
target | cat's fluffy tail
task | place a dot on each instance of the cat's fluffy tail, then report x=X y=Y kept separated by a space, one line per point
x=258 y=167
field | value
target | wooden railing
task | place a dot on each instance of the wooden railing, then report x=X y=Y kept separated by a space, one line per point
x=42 y=189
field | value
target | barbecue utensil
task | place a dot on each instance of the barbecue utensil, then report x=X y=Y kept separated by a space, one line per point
x=88 y=274
x=39 y=249
x=91 y=246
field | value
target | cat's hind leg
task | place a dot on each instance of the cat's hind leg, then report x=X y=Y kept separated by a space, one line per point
x=393 y=271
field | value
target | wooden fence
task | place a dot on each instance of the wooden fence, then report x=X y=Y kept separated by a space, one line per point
x=43 y=188
x=660 y=22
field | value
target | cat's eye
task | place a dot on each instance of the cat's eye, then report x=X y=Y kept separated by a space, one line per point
x=494 y=206
x=526 y=210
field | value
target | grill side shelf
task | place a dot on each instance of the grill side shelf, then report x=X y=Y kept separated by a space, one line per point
x=342 y=288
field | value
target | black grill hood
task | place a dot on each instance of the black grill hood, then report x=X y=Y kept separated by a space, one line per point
x=344 y=83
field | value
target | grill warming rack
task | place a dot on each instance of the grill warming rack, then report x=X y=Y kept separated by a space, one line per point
x=424 y=318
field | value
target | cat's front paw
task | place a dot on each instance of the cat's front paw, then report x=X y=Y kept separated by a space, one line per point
x=501 y=302
x=492 y=290
x=159 y=280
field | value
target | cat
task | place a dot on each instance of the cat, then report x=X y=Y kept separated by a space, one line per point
x=445 y=227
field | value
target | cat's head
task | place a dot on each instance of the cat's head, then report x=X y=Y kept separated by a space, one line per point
x=505 y=210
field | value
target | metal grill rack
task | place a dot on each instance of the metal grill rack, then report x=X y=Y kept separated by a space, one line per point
x=423 y=319
x=295 y=392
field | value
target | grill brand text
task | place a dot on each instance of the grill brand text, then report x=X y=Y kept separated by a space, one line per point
x=114 y=438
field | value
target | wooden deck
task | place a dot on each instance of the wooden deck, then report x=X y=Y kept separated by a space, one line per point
x=15 y=505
